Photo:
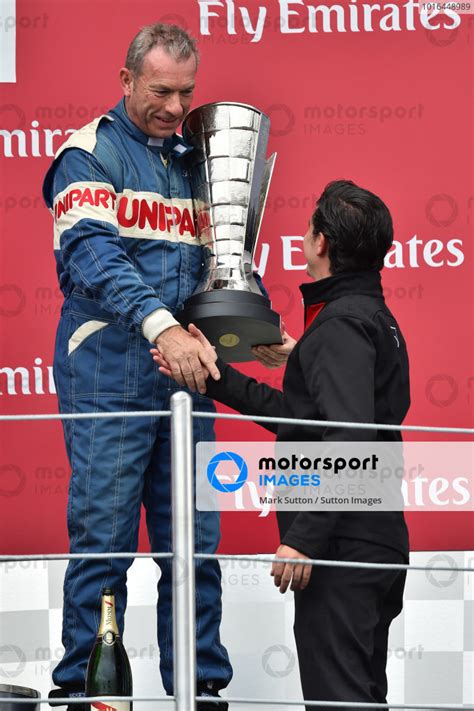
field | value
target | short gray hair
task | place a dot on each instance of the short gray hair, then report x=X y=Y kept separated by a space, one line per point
x=172 y=38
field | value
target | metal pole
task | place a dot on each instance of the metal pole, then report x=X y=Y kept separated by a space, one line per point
x=184 y=594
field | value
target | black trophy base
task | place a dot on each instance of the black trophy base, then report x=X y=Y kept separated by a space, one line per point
x=233 y=321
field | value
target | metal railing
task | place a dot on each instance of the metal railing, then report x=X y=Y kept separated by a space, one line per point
x=184 y=593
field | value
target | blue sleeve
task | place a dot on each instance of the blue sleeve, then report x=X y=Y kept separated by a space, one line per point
x=261 y=285
x=83 y=199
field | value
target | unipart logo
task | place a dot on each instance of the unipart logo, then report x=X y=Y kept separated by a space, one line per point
x=156 y=214
x=136 y=214
x=36 y=379
x=133 y=209
x=97 y=197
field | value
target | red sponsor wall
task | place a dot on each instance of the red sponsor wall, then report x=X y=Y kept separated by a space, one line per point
x=380 y=96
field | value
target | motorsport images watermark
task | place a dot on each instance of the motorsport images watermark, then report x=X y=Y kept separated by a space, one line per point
x=334 y=476
x=227 y=486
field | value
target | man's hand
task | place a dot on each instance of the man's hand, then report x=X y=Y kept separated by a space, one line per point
x=186 y=357
x=296 y=573
x=275 y=355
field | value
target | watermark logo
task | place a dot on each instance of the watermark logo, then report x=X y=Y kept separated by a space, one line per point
x=442 y=578
x=441 y=210
x=441 y=390
x=402 y=653
x=238 y=462
x=12 y=480
x=283 y=119
x=13 y=300
x=278 y=661
x=334 y=476
x=11 y=654
x=172 y=18
x=12 y=114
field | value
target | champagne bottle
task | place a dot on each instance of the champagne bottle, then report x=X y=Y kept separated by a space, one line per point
x=108 y=670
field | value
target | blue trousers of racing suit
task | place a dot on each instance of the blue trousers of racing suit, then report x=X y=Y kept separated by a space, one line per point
x=125 y=247
x=117 y=465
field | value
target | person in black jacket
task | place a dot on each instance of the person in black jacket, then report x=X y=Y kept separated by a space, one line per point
x=351 y=364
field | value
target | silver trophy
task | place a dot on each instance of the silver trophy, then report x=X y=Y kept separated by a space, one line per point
x=230 y=178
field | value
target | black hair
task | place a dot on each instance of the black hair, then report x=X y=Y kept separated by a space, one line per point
x=357 y=225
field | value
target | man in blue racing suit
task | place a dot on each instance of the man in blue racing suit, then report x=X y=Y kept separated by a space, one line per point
x=127 y=258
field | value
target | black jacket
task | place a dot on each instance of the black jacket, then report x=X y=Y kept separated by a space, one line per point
x=351 y=364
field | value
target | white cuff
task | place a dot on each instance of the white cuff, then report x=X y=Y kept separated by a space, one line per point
x=157 y=322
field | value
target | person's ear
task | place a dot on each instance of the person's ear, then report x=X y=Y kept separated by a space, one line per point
x=321 y=245
x=126 y=81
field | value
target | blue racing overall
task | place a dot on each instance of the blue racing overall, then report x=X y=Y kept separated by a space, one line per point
x=127 y=258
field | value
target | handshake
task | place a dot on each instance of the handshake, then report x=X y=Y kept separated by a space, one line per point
x=189 y=358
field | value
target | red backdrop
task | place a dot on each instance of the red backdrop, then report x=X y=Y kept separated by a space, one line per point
x=387 y=105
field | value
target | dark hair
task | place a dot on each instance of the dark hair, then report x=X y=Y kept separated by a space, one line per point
x=172 y=38
x=357 y=225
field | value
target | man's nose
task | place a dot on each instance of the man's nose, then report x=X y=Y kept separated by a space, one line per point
x=173 y=104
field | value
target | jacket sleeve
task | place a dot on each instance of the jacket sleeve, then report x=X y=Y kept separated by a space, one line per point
x=261 y=285
x=338 y=359
x=245 y=394
x=86 y=231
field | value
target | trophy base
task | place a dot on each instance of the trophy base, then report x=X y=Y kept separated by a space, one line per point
x=233 y=321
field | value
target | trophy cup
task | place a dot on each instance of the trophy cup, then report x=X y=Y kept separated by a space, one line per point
x=230 y=179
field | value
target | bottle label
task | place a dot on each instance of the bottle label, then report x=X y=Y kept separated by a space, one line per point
x=109 y=638
x=108 y=621
x=111 y=705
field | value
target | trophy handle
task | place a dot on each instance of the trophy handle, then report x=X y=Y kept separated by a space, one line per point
x=266 y=179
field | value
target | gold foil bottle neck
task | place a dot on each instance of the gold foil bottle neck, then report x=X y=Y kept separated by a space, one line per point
x=108 y=620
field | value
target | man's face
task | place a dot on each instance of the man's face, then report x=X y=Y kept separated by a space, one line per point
x=158 y=100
